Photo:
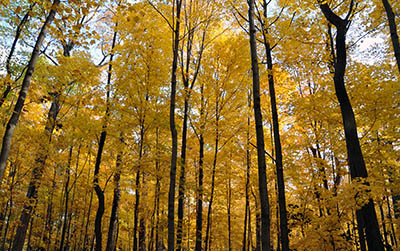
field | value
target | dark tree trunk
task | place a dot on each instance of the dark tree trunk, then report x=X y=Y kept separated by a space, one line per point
x=139 y=228
x=214 y=167
x=278 y=153
x=48 y=226
x=385 y=233
x=262 y=178
x=393 y=233
x=38 y=169
x=112 y=229
x=174 y=144
x=366 y=216
x=13 y=46
x=66 y=193
x=12 y=123
x=248 y=166
x=393 y=31
x=199 y=206
x=99 y=193
x=186 y=67
x=86 y=236
x=181 y=188
x=283 y=233
x=154 y=235
x=102 y=141
x=136 y=211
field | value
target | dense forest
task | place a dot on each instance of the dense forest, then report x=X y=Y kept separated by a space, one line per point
x=200 y=125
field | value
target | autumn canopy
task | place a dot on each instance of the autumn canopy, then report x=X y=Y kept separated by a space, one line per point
x=200 y=125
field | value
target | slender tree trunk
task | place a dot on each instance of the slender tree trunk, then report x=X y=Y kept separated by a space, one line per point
x=139 y=219
x=12 y=123
x=9 y=207
x=262 y=178
x=258 y=223
x=66 y=193
x=99 y=193
x=277 y=143
x=48 y=227
x=34 y=184
x=393 y=31
x=249 y=233
x=154 y=234
x=174 y=144
x=86 y=236
x=248 y=166
x=393 y=234
x=136 y=210
x=229 y=206
x=112 y=229
x=386 y=243
x=20 y=26
x=366 y=216
x=181 y=188
x=199 y=206
x=103 y=136
x=214 y=167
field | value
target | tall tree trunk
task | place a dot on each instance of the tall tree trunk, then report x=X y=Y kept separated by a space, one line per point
x=37 y=172
x=174 y=144
x=48 y=227
x=366 y=216
x=393 y=31
x=66 y=193
x=154 y=233
x=12 y=123
x=136 y=209
x=284 y=238
x=112 y=229
x=214 y=167
x=248 y=166
x=385 y=233
x=139 y=228
x=262 y=176
x=9 y=206
x=393 y=233
x=199 y=205
x=89 y=210
x=103 y=136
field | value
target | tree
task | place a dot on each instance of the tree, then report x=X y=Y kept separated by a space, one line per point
x=264 y=202
x=12 y=122
x=393 y=30
x=366 y=216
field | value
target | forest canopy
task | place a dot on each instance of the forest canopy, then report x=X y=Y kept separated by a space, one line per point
x=200 y=125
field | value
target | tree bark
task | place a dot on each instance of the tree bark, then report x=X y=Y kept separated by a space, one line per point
x=366 y=216
x=112 y=229
x=174 y=143
x=247 y=196
x=262 y=178
x=34 y=184
x=284 y=238
x=136 y=212
x=66 y=193
x=393 y=31
x=214 y=167
x=12 y=123
x=199 y=205
x=102 y=141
